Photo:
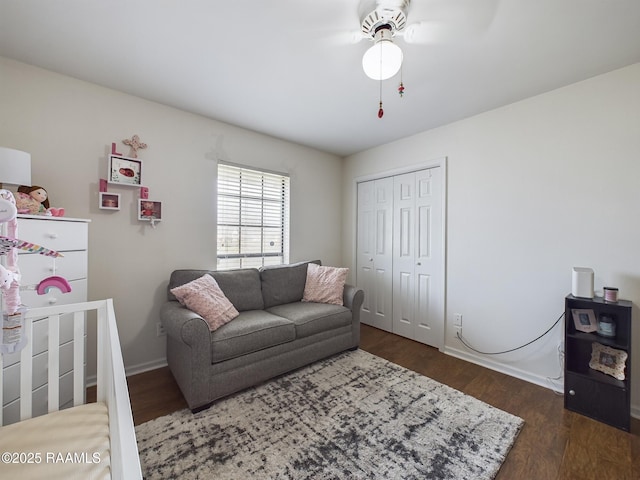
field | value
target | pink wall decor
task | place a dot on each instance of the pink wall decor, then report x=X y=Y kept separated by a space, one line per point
x=144 y=193
x=135 y=144
x=113 y=149
x=103 y=184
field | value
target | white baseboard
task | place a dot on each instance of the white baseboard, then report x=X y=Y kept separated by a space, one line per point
x=145 y=367
x=516 y=372
x=134 y=369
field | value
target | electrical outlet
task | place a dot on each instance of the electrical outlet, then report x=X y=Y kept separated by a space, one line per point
x=160 y=331
x=457 y=319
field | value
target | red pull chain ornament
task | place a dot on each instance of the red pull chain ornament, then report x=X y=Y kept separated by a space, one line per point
x=401 y=89
x=380 y=111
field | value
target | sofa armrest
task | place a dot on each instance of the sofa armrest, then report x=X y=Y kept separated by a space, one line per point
x=184 y=325
x=188 y=351
x=353 y=298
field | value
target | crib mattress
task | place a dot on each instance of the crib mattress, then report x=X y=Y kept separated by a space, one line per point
x=68 y=444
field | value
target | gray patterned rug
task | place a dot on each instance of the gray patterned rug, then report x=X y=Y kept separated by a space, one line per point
x=353 y=416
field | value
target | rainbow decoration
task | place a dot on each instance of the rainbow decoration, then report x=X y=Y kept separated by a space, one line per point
x=55 y=281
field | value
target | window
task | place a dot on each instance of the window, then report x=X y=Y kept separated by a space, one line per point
x=253 y=218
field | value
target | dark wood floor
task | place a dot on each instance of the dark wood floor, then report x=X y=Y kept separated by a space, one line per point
x=553 y=444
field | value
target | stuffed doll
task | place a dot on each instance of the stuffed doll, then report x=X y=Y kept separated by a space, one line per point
x=34 y=200
x=6 y=278
x=9 y=283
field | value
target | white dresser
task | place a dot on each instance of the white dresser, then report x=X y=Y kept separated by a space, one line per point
x=69 y=236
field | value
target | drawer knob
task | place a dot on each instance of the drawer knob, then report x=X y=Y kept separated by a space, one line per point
x=53 y=300
x=53 y=235
x=572 y=392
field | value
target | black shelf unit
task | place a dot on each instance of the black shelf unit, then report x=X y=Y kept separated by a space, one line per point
x=591 y=392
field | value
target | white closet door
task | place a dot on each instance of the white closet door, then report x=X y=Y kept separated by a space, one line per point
x=418 y=283
x=364 y=249
x=374 y=251
x=404 y=253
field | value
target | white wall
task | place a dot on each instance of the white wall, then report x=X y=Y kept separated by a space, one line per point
x=68 y=126
x=534 y=188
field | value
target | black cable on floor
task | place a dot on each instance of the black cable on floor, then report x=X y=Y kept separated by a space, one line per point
x=513 y=349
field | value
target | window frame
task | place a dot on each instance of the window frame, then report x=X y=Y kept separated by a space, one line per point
x=273 y=195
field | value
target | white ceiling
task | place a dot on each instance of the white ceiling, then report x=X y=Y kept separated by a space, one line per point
x=288 y=68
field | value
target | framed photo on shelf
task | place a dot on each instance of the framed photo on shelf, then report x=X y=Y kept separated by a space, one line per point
x=109 y=201
x=584 y=320
x=149 y=210
x=608 y=360
x=125 y=171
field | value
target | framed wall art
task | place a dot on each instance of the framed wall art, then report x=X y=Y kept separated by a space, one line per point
x=149 y=210
x=608 y=360
x=584 y=320
x=125 y=171
x=109 y=201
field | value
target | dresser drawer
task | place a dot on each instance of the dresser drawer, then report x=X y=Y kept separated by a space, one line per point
x=35 y=267
x=11 y=411
x=40 y=369
x=78 y=294
x=54 y=234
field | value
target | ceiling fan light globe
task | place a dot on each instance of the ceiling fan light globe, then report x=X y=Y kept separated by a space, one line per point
x=383 y=60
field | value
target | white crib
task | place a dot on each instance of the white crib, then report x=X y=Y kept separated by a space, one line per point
x=94 y=440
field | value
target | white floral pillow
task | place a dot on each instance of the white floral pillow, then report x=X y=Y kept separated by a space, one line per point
x=205 y=297
x=324 y=284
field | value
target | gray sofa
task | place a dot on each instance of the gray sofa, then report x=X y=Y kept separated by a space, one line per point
x=274 y=333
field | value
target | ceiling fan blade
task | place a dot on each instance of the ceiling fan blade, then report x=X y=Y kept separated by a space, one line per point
x=449 y=21
x=344 y=38
x=428 y=33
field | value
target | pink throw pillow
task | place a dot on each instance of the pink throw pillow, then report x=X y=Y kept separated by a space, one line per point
x=324 y=284
x=205 y=297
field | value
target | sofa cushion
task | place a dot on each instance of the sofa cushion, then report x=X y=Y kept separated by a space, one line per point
x=242 y=287
x=283 y=283
x=205 y=297
x=325 y=284
x=251 y=331
x=311 y=318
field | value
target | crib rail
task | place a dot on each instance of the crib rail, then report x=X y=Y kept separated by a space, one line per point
x=111 y=380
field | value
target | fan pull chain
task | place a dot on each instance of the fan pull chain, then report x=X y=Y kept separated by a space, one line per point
x=401 y=87
x=380 y=110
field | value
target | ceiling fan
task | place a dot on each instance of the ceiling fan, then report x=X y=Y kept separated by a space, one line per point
x=432 y=22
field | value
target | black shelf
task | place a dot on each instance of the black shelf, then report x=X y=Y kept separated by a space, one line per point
x=594 y=337
x=587 y=391
x=597 y=376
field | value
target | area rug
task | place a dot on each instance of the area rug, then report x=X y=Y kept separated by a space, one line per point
x=352 y=416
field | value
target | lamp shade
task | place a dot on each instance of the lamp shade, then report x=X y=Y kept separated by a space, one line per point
x=384 y=59
x=15 y=167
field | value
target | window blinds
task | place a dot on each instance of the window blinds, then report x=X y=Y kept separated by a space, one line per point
x=253 y=218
